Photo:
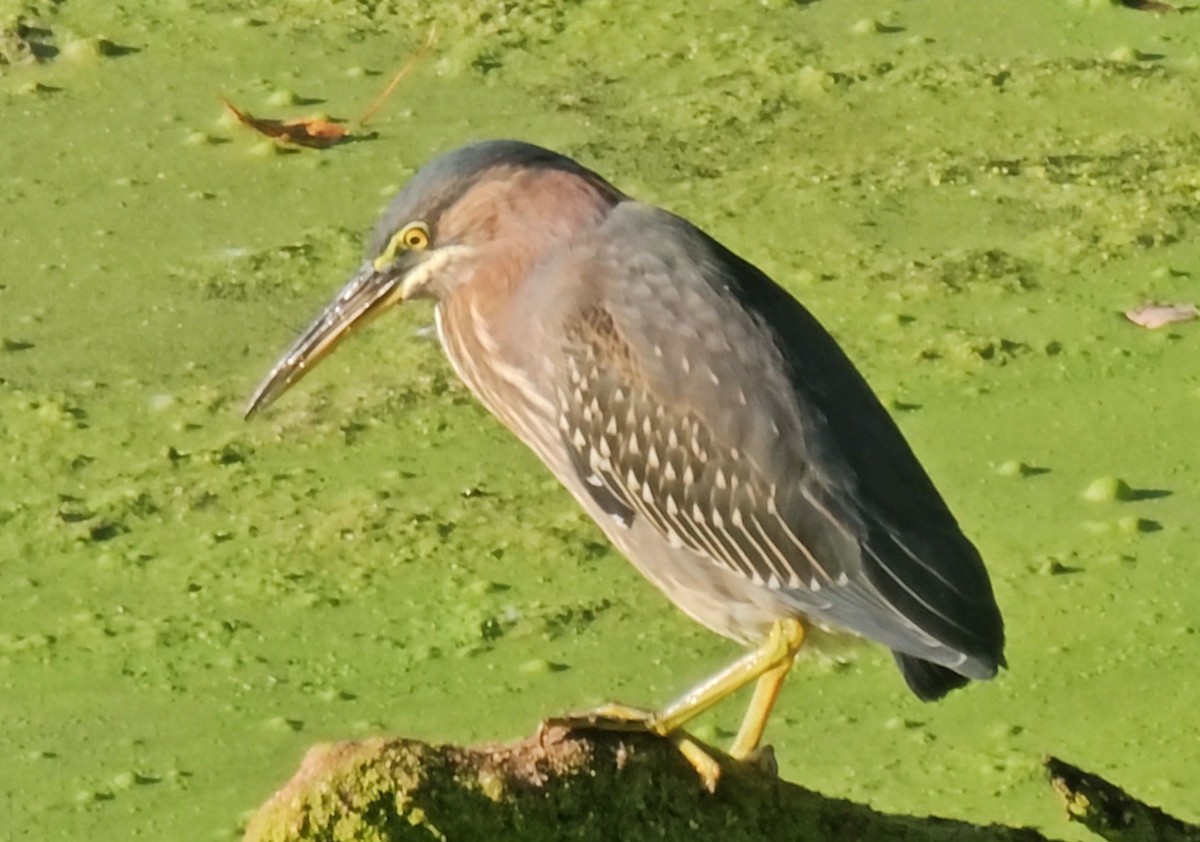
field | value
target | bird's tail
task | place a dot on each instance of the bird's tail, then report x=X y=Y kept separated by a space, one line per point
x=928 y=680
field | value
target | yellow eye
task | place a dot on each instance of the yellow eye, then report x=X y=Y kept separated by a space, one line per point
x=415 y=236
x=412 y=237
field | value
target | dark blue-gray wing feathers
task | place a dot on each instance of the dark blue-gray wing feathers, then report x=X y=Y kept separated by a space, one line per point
x=758 y=443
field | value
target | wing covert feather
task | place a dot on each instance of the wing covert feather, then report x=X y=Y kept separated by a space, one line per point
x=697 y=394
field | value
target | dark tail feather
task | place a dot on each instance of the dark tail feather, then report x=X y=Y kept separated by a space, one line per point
x=928 y=680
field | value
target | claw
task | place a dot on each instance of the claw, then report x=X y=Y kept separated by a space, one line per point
x=768 y=665
x=706 y=766
x=763 y=759
x=612 y=716
x=619 y=718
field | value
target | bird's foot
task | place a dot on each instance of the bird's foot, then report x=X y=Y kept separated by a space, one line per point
x=612 y=716
x=763 y=759
x=625 y=719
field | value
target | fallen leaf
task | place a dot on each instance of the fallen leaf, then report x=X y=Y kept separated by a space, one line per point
x=315 y=132
x=319 y=132
x=1154 y=316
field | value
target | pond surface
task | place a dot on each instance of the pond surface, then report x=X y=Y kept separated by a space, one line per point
x=967 y=194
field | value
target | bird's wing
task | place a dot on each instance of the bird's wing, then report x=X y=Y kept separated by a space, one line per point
x=697 y=394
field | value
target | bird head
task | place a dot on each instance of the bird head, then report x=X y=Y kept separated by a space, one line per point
x=491 y=204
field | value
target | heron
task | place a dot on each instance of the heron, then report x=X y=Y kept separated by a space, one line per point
x=696 y=410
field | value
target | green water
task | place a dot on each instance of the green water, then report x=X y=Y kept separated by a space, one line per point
x=967 y=194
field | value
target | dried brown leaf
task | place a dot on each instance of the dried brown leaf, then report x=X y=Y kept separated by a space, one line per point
x=316 y=132
x=320 y=132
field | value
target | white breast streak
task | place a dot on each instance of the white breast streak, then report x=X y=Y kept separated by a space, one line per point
x=509 y=373
x=533 y=421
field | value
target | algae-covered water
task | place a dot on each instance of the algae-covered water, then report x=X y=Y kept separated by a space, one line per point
x=967 y=194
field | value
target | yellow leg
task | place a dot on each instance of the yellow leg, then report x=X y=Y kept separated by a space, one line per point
x=755 y=720
x=776 y=651
x=754 y=723
x=769 y=663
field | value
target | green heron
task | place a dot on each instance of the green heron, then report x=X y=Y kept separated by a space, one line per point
x=699 y=413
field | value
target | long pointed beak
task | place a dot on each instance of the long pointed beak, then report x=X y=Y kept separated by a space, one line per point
x=369 y=292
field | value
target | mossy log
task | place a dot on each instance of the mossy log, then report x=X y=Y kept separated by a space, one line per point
x=603 y=786
x=564 y=785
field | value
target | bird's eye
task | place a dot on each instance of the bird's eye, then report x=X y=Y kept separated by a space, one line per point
x=415 y=236
x=412 y=237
